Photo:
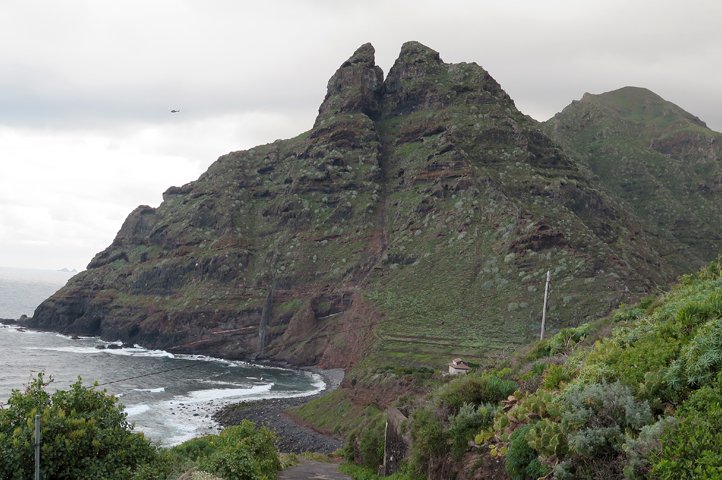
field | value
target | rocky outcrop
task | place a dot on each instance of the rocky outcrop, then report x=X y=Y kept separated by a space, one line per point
x=397 y=441
x=414 y=223
x=356 y=87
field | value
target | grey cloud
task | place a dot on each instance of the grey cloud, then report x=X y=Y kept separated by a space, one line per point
x=139 y=60
x=76 y=73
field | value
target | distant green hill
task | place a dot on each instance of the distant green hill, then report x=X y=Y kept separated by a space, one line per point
x=662 y=162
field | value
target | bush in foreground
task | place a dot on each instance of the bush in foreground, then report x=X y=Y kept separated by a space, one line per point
x=84 y=433
x=240 y=452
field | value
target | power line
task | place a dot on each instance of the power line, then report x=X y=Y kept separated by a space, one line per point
x=2 y=404
x=144 y=375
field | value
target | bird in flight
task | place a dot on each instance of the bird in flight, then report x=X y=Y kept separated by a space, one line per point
x=174 y=111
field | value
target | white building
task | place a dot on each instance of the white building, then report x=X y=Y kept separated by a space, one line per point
x=458 y=367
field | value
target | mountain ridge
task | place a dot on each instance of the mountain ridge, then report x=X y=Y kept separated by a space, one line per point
x=664 y=163
x=416 y=220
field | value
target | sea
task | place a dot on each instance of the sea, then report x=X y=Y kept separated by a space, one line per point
x=169 y=397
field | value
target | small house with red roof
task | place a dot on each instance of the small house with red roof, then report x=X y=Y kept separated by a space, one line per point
x=458 y=367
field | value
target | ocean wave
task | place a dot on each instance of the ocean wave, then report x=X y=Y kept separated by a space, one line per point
x=150 y=390
x=224 y=382
x=20 y=329
x=74 y=337
x=126 y=352
x=317 y=380
x=206 y=358
x=137 y=352
x=136 y=409
x=83 y=350
x=203 y=396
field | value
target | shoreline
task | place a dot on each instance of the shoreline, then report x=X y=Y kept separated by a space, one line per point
x=271 y=413
x=293 y=437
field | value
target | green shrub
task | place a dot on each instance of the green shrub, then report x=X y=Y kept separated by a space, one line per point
x=428 y=439
x=625 y=313
x=566 y=338
x=609 y=408
x=640 y=449
x=365 y=444
x=668 y=353
x=595 y=418
x=547 y=438
x=475 y=389
x=521 y=460
x=240 y=452
x=556 y=375
x=84 y=432
x=464 y=425
x=562 y=342
x=349 y=446
x=700 y=360
x=371 y=447
x=712 y=271
x=357 y=472
x=536 y=370
x=693 y=450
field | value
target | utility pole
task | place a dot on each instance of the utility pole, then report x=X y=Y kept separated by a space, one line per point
x=544 y=311
x=37 y=447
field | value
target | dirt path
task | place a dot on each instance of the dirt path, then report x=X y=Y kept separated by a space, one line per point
x=310 y=470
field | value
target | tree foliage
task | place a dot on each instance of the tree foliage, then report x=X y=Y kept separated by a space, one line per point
x=84 y=433
x=475 y=389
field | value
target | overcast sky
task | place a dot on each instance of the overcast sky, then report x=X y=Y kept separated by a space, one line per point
x=86 y=87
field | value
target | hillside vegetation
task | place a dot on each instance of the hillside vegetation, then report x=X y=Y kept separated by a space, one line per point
x=636 y=395
x=663 y=162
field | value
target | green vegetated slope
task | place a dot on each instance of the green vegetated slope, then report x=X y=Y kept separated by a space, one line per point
x=414 y=223
x=663 y=162
x=636 y=395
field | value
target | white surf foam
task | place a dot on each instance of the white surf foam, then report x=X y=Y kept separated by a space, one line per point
x=126 y=352
x=223 y=382
x=82 y=350
x=136 y=409
x=203 y=396
x=318 y=381
x=137 y=352
x=73 y=337
x=206 y=358
x=150 y=390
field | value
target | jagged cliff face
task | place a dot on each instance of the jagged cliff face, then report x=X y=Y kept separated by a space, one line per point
x=416 y=220
x=662 y=162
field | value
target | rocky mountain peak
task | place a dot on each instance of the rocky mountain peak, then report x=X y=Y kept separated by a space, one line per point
x=638 y=103
x=415 y=53
x=356 y=87
x=419 y=80
x=365 y=54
